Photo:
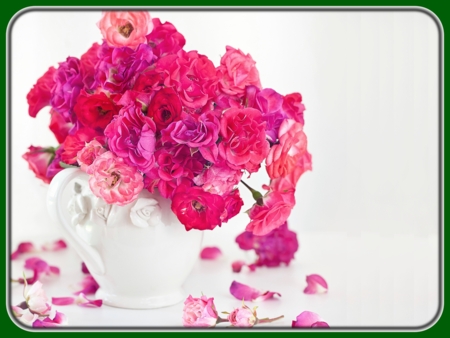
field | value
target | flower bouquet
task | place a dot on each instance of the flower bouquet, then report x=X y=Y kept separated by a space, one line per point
x=139 y=112
x=141 y=117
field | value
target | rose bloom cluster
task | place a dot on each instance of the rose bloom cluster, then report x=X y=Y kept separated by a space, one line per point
x=138 y=111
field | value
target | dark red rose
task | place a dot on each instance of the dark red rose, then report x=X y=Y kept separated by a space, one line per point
x=165 y=108
x=39 y=96
x=96 y=110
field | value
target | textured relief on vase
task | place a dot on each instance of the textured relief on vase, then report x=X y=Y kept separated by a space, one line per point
x=146 y=212
x=79 y=206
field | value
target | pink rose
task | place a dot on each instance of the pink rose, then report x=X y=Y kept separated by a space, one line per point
x=199 y=312
x=125 y=29
x=74 y=143
x=36 y=299
x=233 y=204
x=39 y=96
x=238 y=71
x=244 y=144
x=218 y=179
x=293 y=107
x=87 y=155
x=165 y=39
x=115 y=181
x=273 y=213
x=283 y=157
x=38 y=159
x=242 y=317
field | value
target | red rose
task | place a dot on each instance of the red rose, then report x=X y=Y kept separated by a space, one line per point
x=96 y=110
x=59 y=126
x=197 y=209
x=39 y=96
x=244 y=144
x=74 y=143
x=38 y=159
x=165 y=108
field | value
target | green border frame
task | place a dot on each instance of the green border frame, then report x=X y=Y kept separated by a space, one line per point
x=437 y=7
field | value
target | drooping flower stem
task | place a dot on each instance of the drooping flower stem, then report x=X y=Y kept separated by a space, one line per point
x=268 y=320
x=221 y=320
x=257 y=196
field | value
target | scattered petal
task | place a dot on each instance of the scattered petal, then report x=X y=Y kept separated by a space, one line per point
x=62 y=300
x=55 y=246
x=36 y=299
x=82 y=300
x=316 y=284
x=237 y=266
x=245 y=292
x=57 y=319
x=39 y=267
x=84 y=268
x=24 y=247
x=309 y=319
x=25 y=316
x=90 y=286
x=210 y=253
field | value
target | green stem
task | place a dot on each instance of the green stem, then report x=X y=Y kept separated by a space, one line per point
x=268 y=320
x=257 y=196
x=221 y=320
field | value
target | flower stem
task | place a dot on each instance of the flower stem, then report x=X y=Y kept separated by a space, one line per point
x=221 y=320
x=268 y=320
x=257 y=196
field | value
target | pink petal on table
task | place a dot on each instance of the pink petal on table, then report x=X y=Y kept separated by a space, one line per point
x=309 y=319
x=23 y=247
x=55 y=246
x=82 y=300
x=316 y=284
x=51 y=321
x=84 y=268
x=210 y=253
x=90 y=286
x=267 y=295
x=62 y=300
x=237 y=266
x=245 y=292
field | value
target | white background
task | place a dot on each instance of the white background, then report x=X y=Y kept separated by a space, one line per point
x=366 y=216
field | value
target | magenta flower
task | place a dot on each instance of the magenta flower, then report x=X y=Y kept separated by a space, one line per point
x=39 y=159
x=68 y=84
x=210 y=253
x=233 y=204
x=114 y=180
x=316 y=284
x=245 y=292
x=199 y=312
x=58 y=125
x=165 y=39
x=309 y=319
x=24 y=247
x=39 y=96
x=269 y=102
x=128 y=29
x=293 y=107
x=197 y=209
x=118 y=68
x=278 y=246
x=237 y=71
x=131 y=136
x=88 y=61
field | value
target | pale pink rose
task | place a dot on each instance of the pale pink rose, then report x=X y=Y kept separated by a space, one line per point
x=125 y=29
x=88 y=154
x=242 y=317
x=36 y=299
x=219 y=179
x=238 y=71
x=115 y=181
x=199 y=312
x=283 y=157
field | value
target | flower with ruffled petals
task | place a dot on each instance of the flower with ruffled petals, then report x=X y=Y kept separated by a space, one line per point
x=76 y=142
x=87 y=155
x=125 y=28
x=210 y=253
x=269 y=102
x=316 y=284
x=95 y=110
x=88 y=61
x=309 y=319
x=245 y=292
x=293 y=107
x=278 y=246
x=39 y=159
x=197 y=209
x=238 y=71
x=68 y=84
x=199 y=312
x=219 y=178
x=114 y=180
x=165 y=39
x=233 y=204
x=165 y=108
x=242 y=317
x=244 y=144
x=39 y=96
x=131 y=136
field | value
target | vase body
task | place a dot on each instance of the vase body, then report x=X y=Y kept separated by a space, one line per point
x=139 y=253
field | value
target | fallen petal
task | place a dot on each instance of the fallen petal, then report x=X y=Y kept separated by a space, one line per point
x=57 y=319
x=23 y=248
x=62 y=300
x=245 y=292
x=237 y=266
x=82 y=300
x=84 y=268
x=267 y=295
x=309 y=319
x=90 y=286
x=55 y=246
x=210 y=253
x=316 y=284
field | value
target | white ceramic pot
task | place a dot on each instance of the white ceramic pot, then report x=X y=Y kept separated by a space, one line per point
x=140 y=254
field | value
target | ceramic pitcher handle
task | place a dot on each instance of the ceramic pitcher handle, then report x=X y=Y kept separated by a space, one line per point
x=54 y=199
